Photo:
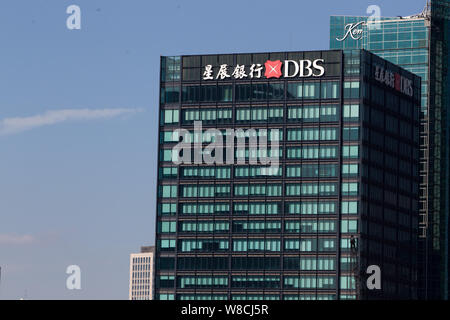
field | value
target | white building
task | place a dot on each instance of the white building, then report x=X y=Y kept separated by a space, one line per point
x=141 y=274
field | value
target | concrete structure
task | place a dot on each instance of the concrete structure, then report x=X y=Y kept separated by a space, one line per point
x=141 y=274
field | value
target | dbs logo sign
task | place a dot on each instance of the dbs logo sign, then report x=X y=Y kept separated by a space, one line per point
x=273 y=69
x=291 y=68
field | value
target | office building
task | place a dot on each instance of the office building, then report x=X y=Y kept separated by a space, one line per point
x=339 y=194
x=142 y=274
x=418 y=43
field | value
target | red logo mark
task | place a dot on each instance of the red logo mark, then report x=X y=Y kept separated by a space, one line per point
x=273 y=69
x=398 y=81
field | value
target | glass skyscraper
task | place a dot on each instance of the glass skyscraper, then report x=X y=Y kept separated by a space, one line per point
x=343 y=128
x=418 y=43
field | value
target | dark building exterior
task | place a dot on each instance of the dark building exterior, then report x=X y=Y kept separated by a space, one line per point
x=342 y=195
x=418 y=43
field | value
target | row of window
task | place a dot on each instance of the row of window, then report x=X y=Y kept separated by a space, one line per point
x=224 y=135
x=258 y=190
x=246 y=263
x=310 y=113
x=291 y=208
x=304 y=226
x=252 y=245
x=256 y=297
x=293 y=134
x=251 y=92
x=312 y=134
x=243 y=156
x=257 y=282
x=297 y=134
x=291 y=171
x=274 y=226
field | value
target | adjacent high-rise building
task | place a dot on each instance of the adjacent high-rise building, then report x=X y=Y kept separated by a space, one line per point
x=418 y=43
x=287 y=175
x=142 y=274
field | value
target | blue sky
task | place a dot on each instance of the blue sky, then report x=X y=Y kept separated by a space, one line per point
x=78 y=122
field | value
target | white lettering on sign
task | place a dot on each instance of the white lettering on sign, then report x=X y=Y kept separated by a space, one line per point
x=394 y=80
x=292 y=69
x=256 y=68
x=352 y=30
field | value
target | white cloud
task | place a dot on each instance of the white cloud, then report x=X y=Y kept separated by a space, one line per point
x=20 y=124
x=13 y=239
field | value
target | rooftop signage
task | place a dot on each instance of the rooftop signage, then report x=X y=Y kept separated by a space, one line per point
x=353 y=30
x=394 y=80
x=273 y=69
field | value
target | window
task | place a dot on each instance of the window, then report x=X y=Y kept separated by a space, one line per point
x=324 y=113
x=191 y=282
x=204 y=208
x=170 y=94
x=351 y=89
x=168 y=227
x=349 y=226
x=170 y=68
x=348 y=282
x=168 y=191
x=270 y=190
x=168 y=172
x=350 y=170
x=167 y=156
x=206 y=172
x=310 y=189
x=256 y=245
x=168 y=208
x=303 y=245
x=295 y=90
x=310 y=226
x=169 y=116
x=205 y=191
x=312 y=134
x=328 y=113
x=167 y=245
x=192 y=226
x=256 y=171
x=350 y=152
x=225 y=93
x=311 y=90
x=190 y=94
x=188 y=245
x=255 y=282
x=257 y=226
x=350 y=189
x=275 y=91
x=350 y=134
x=330 y=90
x=310 y=208
x=351 y=112
x=311 y=171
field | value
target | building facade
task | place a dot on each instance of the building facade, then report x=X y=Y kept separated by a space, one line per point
x=418 y=43
x=339 y=194
x=142 y=274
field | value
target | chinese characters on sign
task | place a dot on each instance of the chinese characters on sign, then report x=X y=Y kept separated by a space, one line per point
x=394 y=80
x=273 y=69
